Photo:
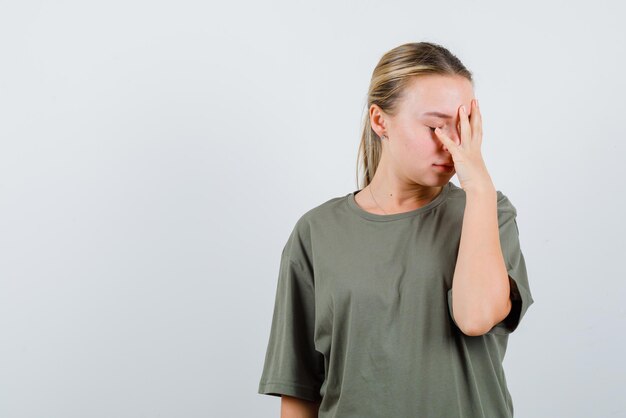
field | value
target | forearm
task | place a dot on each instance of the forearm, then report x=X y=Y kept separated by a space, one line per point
x=292 y=407
x=480 y=288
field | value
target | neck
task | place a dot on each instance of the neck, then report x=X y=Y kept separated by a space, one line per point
x=395 y=194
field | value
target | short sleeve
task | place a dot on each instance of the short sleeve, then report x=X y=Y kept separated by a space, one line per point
x=292 y=364
x=521 y=298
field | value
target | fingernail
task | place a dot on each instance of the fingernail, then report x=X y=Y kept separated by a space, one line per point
x=463 y=108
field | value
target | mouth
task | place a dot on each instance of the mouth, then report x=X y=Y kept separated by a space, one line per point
x=444 y=167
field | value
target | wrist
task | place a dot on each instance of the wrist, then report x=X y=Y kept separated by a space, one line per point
x=481 y=189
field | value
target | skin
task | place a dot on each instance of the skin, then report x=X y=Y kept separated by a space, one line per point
x=406 y=179
x=292 y=407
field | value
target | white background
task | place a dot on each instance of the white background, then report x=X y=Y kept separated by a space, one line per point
x=155 y=156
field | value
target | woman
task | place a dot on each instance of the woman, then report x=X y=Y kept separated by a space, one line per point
x=364 y=323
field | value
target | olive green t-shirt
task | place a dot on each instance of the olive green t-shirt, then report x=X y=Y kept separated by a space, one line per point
x=363 y=322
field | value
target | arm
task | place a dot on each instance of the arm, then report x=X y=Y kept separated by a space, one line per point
x=292 y=407
x=481 y=283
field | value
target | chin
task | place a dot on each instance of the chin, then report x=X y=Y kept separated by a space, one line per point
x=438 y=181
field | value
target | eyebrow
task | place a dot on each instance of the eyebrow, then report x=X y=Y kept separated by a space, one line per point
x=439 y=114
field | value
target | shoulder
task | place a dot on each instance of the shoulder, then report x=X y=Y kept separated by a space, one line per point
x=503 y=200
x=506 y=208
x=505 y=205
x=299 y=245
x=320 y=215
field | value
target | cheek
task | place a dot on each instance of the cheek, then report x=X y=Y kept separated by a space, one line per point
x=418 y=149
x=424 y=143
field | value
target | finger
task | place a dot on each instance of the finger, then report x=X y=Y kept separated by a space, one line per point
x=466 y=128
x=476 y=122
x=449 y=143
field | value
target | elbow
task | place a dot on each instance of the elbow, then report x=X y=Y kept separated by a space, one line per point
x=470 y=328
x=476 y=328
x=472 y=324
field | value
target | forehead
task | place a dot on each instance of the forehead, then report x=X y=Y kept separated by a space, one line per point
x=438 y=96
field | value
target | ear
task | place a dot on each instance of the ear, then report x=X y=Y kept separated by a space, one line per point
x=377 y=119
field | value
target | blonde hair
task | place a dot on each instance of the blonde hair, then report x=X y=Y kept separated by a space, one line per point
x=394 y=72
